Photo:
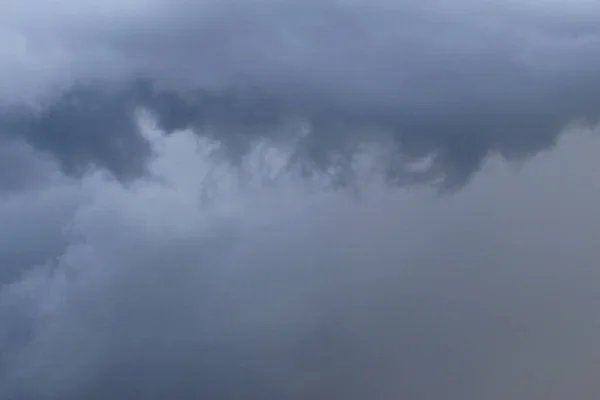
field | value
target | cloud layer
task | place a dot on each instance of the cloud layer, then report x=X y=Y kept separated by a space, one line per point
x=204 y=199
x=448 y=82
x=175 y=287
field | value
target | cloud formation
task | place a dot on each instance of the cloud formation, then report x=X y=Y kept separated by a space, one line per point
x=164 y=290
x=178 y=219
x=448 y=82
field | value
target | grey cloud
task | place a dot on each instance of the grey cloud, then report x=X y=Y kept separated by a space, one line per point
x=20 y=168
x=455 y=83
x=36 y=201
x=34 y=226
x=33 y=234
x=490 y=293
x=173 y=288
x=84 y=129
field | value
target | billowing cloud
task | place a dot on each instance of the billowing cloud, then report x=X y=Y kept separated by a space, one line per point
x=178 y=217
x=448 y=82
x=36 y=201
x=171 y=288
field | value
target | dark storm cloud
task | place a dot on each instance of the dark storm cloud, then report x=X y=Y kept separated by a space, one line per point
x=35 y=202
x=452 y=83
x=20 y=169
x=34 y=223
x=342 y=300
x=83 y=129
x=209 y=283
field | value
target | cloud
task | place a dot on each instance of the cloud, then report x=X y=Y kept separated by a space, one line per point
x=452 y=83
x=36 y=200
x=21 y=168
x=247 y=289
x=179 y=217
x=85 y=130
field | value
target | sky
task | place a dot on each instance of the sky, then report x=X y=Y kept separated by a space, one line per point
x=299 y=199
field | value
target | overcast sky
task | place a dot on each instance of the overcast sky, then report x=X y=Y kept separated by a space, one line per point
x=299 y=199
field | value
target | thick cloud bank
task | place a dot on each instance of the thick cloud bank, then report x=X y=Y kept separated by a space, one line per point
x=206 y=283
x=447 y=82
x=230 y=199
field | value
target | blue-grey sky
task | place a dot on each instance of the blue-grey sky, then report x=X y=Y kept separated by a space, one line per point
x=241 y=199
